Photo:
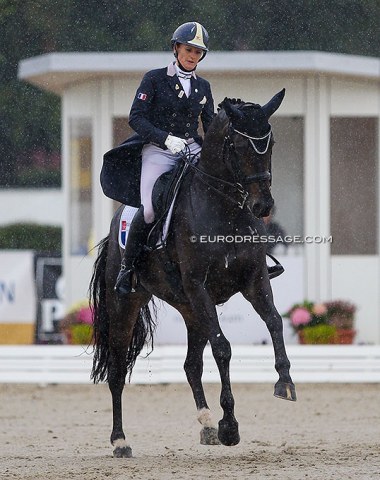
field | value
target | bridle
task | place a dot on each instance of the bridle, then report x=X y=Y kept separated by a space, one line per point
x=240 y=195
x=258 y=177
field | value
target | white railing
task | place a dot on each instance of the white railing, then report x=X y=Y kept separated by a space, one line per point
x=72 y=364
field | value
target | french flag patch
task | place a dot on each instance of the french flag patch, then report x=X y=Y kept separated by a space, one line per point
x=142 y=96
x=123 y=232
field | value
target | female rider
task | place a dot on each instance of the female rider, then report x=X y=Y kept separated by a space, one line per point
x=165 y=113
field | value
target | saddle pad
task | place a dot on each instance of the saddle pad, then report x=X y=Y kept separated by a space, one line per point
x=125 y=222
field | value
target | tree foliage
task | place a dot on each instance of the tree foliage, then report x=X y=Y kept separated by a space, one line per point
x=30 y=119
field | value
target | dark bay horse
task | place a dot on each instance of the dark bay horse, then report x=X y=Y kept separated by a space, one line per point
x=223 y=197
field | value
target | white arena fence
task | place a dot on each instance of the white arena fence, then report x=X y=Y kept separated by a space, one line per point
x=44 y=364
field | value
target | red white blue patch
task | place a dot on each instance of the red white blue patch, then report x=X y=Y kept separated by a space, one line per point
x=142 y=96
x=124 y=224
x=123 y=232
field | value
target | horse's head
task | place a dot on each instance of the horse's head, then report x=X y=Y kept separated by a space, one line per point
x=249 y=142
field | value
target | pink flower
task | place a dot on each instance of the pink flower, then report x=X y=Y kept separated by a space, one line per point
x=300 y=316
x=319 y=309
x=85 y=315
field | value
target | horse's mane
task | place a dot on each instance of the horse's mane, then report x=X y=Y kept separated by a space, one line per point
x=237 y=102
x=220 y=121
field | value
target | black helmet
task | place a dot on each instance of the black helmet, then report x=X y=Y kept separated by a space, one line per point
x=192 y=34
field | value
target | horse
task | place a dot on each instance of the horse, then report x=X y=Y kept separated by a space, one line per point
x=223 y=196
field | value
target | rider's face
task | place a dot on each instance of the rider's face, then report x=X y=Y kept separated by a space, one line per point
x=188 y=56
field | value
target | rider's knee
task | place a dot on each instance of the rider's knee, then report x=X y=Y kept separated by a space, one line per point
x=148 y=215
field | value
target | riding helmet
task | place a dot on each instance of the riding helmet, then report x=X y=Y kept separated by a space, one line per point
x=192 y=34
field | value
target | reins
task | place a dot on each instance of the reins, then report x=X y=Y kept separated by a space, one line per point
x=189 y=159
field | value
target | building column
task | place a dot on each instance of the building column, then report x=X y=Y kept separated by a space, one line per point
x=102 y=142
x=317 y=188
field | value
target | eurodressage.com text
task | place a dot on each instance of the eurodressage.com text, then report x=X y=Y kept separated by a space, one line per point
x=298 y=239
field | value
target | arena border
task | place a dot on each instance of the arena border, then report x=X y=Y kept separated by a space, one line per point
x=48 y=364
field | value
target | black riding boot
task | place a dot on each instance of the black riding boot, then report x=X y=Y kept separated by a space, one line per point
x=276 y=269
x=137 y=236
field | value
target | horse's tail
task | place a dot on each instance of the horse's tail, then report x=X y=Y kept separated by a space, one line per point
x=97 y=293
x=143 y=330
x=142 y=334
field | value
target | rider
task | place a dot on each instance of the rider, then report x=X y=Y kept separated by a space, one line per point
x=165 y=114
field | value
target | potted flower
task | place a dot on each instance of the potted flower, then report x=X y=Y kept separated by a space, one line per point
x=77 y=324
x=309 y=320
x=341 y=315
x=316 y=323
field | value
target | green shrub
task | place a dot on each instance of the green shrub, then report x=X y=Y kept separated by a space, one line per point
x=39 y=178
x=319 y=334
x=30 y=236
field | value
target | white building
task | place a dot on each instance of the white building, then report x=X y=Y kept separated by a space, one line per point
x=325 y=161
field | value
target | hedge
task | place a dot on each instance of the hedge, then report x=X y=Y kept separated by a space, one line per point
x=30 y=236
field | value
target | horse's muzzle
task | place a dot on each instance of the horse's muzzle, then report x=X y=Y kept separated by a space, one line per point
x=263 y=207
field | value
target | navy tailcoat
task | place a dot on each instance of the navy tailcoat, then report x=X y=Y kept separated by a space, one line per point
x=160 y=108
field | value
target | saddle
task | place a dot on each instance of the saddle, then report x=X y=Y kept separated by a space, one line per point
x=164 y=195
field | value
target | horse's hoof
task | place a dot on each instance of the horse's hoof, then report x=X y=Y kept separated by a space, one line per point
x=228 y=433
x=287 y=391
x=209 y=436
x=122 y=452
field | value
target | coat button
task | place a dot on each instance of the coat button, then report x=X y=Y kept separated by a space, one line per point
x=186 y=134
x=187 y=124
x=172 y=124
x=174 y=115
x=190 y=115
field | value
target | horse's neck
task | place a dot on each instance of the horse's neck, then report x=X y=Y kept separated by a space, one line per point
x=211 y=160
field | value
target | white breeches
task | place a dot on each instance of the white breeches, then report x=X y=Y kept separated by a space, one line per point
x=155 y=162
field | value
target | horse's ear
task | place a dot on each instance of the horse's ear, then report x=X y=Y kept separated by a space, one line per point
x=232 y=112
x=274 y=103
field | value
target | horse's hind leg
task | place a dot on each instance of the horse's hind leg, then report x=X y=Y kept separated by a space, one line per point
x=261 y=299
x=196 y=342
x=124 y=317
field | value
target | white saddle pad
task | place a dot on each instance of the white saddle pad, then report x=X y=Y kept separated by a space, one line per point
x=125 y=222
x=127 y=217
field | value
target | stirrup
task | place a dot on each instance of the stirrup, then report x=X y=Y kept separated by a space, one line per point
x=276 y=269
x=123 y=285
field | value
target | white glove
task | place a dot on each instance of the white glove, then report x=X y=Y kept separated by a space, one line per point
x=175 y=144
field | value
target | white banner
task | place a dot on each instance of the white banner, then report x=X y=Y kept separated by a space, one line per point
x=17 y=287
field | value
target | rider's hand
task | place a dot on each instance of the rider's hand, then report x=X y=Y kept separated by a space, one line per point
x=175 y=144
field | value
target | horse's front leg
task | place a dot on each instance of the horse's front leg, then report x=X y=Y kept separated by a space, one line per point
x=259 y=294
x=196 y=342
x=228 y=432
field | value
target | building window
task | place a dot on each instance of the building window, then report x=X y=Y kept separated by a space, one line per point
x=80 y=184
x=354 y=186
x=121 y=131
x=288 y=173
